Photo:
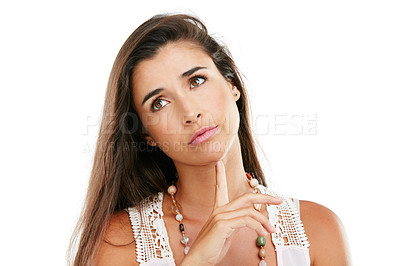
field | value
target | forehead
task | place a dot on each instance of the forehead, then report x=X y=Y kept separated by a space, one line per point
x=171 y=60
x=175 y=53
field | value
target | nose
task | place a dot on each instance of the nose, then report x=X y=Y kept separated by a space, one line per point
x=189 y=108
x=191 y=119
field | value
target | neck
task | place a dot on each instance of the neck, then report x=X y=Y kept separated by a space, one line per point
x=196 y=184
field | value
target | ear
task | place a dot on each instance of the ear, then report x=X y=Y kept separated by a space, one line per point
x=150 y=141
x=144 y=135
x=235 y=92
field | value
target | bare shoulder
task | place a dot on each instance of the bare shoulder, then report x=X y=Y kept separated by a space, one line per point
x=326 y=234
x=118 y=247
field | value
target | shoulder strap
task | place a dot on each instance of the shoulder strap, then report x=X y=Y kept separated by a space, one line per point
x=297 y=204
x=286 y=219
x=149 y=230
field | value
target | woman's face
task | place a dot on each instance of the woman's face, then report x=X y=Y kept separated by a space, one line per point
x=187 y=93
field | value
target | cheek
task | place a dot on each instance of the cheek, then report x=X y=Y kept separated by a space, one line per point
x=225 y=104
x=216 y=100
x=150 y=122
x=160 y=126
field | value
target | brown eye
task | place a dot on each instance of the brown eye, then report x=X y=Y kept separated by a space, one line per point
x=157 y=105
x=196 y=81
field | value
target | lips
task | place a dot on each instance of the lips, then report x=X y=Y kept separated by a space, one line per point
x=203 y=134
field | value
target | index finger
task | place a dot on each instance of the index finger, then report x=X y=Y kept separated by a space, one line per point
x=221 y=188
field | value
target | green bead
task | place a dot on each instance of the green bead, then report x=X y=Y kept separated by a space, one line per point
x=260 y=241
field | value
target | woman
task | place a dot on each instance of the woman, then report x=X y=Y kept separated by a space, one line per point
x=176 y=179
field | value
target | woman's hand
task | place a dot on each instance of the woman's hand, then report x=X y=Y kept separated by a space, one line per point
x=214 y=239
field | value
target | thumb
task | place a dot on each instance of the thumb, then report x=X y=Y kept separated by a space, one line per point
x=221 y=189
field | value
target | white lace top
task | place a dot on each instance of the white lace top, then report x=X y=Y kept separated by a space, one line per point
x=153 y=248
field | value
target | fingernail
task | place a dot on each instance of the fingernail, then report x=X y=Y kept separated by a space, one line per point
x=265 y=232
x=257 y=206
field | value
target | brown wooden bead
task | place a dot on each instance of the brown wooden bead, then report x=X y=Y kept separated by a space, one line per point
x=262 y=253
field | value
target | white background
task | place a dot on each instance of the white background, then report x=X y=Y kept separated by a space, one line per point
x=333 y=63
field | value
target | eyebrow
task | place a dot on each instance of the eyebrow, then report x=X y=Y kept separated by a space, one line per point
x=185 y=74
x=191 y=71
x=151 y=94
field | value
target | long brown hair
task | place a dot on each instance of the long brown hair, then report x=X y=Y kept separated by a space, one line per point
x=126 y=170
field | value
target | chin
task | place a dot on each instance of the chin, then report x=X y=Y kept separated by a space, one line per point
x=201 y=154
x=214 y=151
x=203 y=160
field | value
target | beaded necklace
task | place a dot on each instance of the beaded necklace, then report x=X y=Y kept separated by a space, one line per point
x=260 y=242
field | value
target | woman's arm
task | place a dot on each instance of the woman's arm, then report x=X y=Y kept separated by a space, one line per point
x=326 y=234
x=121 y=251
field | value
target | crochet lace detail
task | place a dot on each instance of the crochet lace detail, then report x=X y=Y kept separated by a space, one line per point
x=152 y=239
x=286 y=219
x=149 y=230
